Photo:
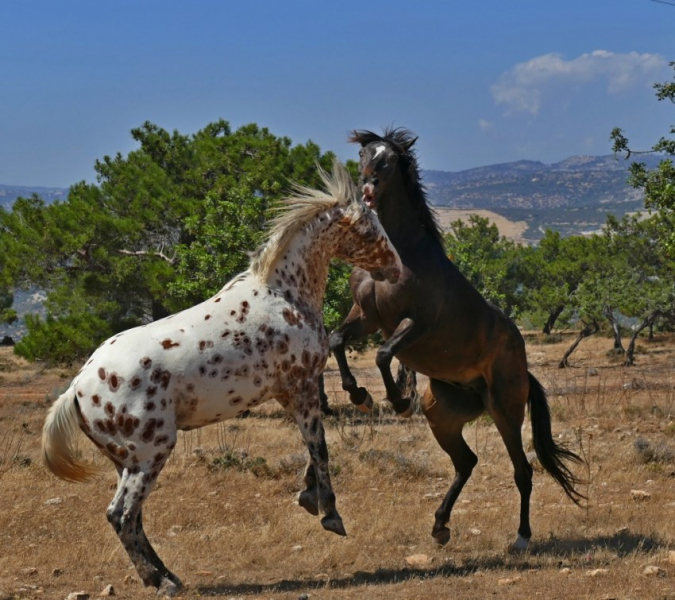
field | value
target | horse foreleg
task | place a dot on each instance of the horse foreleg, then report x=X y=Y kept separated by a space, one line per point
x=318 y=494
x=404 y=335
x=355 y=327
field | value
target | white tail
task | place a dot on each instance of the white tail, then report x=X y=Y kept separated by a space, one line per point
x=60 y=427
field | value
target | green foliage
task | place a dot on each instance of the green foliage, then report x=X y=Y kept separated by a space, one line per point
x=164 y=228
x=63 y=340
x=489 y=261
x=658 y=184
x=7 y=314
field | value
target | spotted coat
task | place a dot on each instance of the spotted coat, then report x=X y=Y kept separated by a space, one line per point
x=260 y=337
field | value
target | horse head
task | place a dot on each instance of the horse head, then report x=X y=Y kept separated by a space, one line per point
x=382 y=159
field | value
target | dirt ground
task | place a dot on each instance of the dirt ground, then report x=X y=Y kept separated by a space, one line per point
x=224 y=515
x=512 y=230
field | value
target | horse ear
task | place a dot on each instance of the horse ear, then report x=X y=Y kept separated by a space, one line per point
x=407 y=145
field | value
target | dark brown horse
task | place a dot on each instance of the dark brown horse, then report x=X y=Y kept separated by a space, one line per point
x=436 y=323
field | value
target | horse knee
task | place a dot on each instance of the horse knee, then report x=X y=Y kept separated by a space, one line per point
x=336 y=340
x=115 y=517
x=383 y=358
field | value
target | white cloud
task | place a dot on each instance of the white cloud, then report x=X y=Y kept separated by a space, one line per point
x=484 y=125
x=522 y=88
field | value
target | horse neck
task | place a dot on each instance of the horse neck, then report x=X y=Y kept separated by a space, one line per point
x=301 y=272
x=400 y=218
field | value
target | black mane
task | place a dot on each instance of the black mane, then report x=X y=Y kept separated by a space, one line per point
x=401 y=140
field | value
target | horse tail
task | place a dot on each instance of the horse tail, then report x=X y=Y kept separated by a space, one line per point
x=550 y=454
x=58 y=433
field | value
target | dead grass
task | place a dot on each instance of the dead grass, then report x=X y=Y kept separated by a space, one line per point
x=224 y=516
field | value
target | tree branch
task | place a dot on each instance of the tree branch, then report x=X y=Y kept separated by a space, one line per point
x=158 y=254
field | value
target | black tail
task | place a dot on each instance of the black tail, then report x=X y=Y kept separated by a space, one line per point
x=550 y=454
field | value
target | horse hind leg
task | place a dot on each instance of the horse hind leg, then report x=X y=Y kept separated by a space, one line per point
x=309 y=497
x=125 y=515
x=448 y=409
x=318 y=494
x=509 y=421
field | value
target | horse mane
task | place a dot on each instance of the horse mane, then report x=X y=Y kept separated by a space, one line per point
x=300 y=208
x=401 y=140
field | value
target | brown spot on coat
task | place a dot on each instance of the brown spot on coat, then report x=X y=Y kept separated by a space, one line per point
x=101 y=373
x=167 y=344
x=145 y=362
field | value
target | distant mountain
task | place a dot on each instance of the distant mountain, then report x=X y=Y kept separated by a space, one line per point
x=9 y=193
x=572 y=196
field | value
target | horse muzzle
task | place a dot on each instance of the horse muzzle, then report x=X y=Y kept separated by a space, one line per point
x=368 y=190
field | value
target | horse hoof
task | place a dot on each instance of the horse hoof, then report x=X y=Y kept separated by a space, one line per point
x=407 y=412
x=367 y=405
x=442 y=536
x=334 y=524
x=362 y=399
x=169 y=589
x=520 y=545
x=309 y=502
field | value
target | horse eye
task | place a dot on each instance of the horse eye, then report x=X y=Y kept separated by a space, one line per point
x=361 y=152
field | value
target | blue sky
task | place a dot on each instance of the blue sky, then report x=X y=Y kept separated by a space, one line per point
x=479 y=82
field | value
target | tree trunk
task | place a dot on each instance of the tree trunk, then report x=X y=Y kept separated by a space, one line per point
x=588 y=330
x=552 y=318
x=630 y=352
x=616 y=330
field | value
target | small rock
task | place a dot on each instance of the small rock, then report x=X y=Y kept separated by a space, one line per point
x=509 y=580
x=671 y=557
x=77 y=596
x=57 y=572
x=592 y=372
x=597 y=572
x=130 y=580
x=475 y=531
x=53 y=501
x=418 y=560
x=640 y=495
x=109 y=590
x=653 y=571
x=303 y=597
x=297 y=548
x=565 y=571
x=29 y=571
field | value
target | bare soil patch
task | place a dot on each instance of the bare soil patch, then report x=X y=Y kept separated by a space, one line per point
x=512 y=230
x=232 y=528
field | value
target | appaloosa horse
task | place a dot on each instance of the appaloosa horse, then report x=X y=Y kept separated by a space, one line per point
x=436 y=323
x=260 y=337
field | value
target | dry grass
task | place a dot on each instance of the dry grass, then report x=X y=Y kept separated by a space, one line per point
x=224 y=516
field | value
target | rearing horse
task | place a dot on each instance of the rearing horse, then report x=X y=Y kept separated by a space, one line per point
x=260 y=337
x=436 y=323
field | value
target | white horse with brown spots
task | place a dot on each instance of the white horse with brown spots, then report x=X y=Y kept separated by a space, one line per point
x=260 y=337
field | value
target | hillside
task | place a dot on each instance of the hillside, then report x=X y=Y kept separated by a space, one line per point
x=572 y=196
x=9 y=193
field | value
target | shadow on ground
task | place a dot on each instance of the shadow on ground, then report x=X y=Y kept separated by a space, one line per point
x=622 y=544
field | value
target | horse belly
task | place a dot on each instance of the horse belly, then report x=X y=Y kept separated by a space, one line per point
x=206 y=405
